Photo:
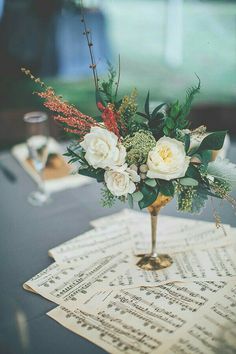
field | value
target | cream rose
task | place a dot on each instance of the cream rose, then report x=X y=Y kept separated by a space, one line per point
x=102 y=148
x=121 y=180
x=167 y=160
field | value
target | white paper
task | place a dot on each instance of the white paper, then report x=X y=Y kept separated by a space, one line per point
x=209 y=264
x=147 y=320
x=74 y=285
x=92 y=245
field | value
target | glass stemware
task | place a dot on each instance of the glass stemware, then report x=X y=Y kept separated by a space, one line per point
x=37 y=134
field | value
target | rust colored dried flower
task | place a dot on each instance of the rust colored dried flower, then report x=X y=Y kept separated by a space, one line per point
x=69 y=116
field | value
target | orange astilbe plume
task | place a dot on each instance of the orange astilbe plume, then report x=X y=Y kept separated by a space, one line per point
x=69 y=116
x=110 y=117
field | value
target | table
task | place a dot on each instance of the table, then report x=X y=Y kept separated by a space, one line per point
x=26 y=235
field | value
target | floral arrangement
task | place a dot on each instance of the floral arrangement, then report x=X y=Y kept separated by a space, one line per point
x=137 y=155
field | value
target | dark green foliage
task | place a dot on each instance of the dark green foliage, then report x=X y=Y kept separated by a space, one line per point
x=177 y=113
x=186 y=107
x=193 y=172
x=89 y=171
x=186 y=142
x=149 y=195
x=166 y=188
x=152 y=120
x=213 y=141
x=76 y=154
x=107 y=90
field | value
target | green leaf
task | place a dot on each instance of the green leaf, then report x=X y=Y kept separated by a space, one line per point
x=169 y=123
x=98 y=174
x=140 y=120
x=166 y=131
x=205 y=156
x=130 y=201
x=187 y=181
x=149 y=196
x=142 y=115
x=187 y=142
x=137 y=196
x=150 y=182
x=157 y=109
x=167 y=188
x=174 y=109
x=213 y=141
x=193 y=172
x=147 y=105
x=185 y=108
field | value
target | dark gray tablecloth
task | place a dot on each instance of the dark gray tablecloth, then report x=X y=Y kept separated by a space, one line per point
x=26 y=235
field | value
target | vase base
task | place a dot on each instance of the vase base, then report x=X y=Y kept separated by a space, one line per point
x=148 y=262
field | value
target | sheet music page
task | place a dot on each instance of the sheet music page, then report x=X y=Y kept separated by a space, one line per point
x=165 y=222
x=214 y=332
x=75 y=285
x=97 y=243
x=201 y=237
x=92 y=245
x=146 y=320
x=174 y=234
x=209 y=264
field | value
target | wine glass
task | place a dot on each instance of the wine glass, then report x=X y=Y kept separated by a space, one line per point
x=37 y=133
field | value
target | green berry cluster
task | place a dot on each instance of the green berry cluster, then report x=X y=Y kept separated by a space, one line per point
x=138 y=146
x=186 y=194
x=221 y=188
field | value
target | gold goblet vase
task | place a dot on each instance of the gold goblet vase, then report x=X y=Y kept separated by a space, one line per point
x=154 y=260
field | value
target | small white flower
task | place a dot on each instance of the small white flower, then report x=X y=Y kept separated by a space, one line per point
x=121 y=180
x=102 y=148
x=167 y=160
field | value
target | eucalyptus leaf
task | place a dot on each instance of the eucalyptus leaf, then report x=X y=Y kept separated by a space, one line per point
x=137 y=196
x=187 y=181
x=150 y=182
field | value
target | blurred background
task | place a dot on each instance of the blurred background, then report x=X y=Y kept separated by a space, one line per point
x=162 y=44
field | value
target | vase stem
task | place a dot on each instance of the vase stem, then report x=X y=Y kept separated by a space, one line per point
x=154 y=260
x=154 y=233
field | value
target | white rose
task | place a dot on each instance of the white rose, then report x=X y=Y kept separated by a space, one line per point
x=167 y=160
x=120 y=180
x=119 y=156
x=102 y=149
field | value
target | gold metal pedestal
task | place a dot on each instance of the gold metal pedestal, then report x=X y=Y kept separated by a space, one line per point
x=155 y=261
